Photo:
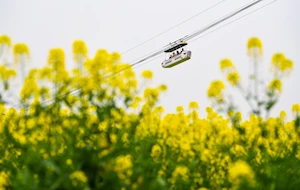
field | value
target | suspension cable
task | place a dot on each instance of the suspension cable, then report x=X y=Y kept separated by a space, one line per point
x=171 y=28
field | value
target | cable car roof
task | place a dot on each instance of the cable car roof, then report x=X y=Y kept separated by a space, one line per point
x=176 y=46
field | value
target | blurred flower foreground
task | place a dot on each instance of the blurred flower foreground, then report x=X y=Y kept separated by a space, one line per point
x=111 y=134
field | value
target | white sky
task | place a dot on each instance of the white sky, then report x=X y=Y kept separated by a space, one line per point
x=119 y=25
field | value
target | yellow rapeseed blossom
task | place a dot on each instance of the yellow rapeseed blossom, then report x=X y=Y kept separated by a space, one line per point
x=278 y=58
x=151 y=95
x=241 y=171
x=254 y=46
x=69 y=162
x=56 y=59
x=45 y=73
x=30 y=88
x=79 y=47
x=21 y=49
x=147 y=74
x=113 y=138
x=101 y=61
x=21 y=138
x=193 y=105
x=123 y=162
x=215 y=89
x=180 y=172
x=128 y=73
x=226 y=64
x=283 y=115
x=233 y=78
x=6 y=73
x=296 y=109
x=156 y=152
x=5 y=40
x=123 y=166
x=136 y=101
x=4 y=180
x=280 y=64
x=162 y=88
x=275 y=85
x=179 y=109
x=78 y=177
x=286 y=65
x=115 y=57
x=159 y=110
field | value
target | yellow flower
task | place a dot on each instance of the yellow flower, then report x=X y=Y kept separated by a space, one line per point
x=5 y=40
x=78 y=177
x=179 y=109
x=147 y=74
x=159 y=110
x=275 y=85
x=296 y=109
x=100 y=60
x=4 y=180
x=135 y=103
x=193 y=105
x=113 y=138
x=215 y=89
x=6 y=73
x=233 y=78
x=123 y=166
x=241 y=171
x=283 y=115
x=254 y=46
x=156 y=152
x=151 y=94
x=128 y=73
x=281 y=64
x=79 y=53
x=21 y=138
x=30 y=88
x=45 y=73
x=115 y=57
x=226 y=64
x=69 y=162
x=278 y=58
x=21 y=49
x=162 y=88
x=79 y=47
x=286 y=65
x=56 y=59
x=123 y=162
x=180 y=172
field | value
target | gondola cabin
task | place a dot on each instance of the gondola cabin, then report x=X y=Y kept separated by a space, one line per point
x=176 y=54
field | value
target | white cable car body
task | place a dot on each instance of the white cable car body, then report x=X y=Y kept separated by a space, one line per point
x=176 y=57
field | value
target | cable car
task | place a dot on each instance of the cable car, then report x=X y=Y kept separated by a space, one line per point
x=176 y=56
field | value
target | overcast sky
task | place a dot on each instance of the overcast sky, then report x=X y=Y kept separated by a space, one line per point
x=119 y=25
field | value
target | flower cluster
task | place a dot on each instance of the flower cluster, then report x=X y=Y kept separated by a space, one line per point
x=5 y=40
x=228 y=68
x=261 y=97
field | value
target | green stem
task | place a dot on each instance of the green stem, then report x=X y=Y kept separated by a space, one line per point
x=241 y=90
x=256 y=80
